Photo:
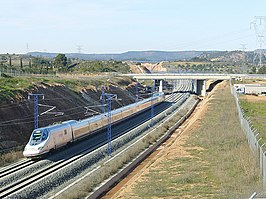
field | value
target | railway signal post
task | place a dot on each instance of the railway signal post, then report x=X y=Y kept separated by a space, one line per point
x=35 y=98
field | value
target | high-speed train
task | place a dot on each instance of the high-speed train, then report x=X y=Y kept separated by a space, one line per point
x=45 y=139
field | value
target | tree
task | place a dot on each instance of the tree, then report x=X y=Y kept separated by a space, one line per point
x=60 y=61
x=254 y=70
x=30 y=62
x=10 y=61
x=21 y=63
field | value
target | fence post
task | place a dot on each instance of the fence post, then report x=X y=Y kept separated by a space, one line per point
x=263 y=171
x=261 y=159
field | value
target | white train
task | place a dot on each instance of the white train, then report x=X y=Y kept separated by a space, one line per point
x=45 y=139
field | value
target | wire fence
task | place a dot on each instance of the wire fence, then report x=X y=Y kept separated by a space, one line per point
x=253 y=137
x=20 y=73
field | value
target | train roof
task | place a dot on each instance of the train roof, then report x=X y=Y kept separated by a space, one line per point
x=54 y=126
x=96 y=118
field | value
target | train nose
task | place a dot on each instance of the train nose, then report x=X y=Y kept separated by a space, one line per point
x=31 y=151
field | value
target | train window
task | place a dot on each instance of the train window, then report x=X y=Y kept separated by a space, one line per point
x=37 y=135
x=44 y=135
x=65 y=131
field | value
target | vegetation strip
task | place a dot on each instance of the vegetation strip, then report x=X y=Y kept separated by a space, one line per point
x=212 y=161
x=254 y=107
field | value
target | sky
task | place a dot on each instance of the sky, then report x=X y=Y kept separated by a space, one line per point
x=116 y=26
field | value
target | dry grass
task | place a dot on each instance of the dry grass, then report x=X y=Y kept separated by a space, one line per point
x=218 y=162
x=9 y=157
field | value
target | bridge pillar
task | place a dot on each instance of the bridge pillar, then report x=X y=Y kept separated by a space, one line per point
x=161 y=86
x=201 y=87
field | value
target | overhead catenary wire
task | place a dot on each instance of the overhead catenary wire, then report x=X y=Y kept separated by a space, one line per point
x=20 y=121
x=41 y=120
x=7 y=106
x=31 y=117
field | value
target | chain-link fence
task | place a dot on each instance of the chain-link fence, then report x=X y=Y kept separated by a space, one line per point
x=253 y=137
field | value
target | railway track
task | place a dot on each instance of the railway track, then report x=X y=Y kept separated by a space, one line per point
x=15 y=167
x=11 y=188
x=21 y=182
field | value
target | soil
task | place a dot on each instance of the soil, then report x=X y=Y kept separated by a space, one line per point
x=171 y=149
x=259 y=82
x=17 y=120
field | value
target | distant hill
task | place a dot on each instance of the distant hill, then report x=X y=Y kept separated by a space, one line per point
x=232 y=56
x=152 y=56
x=157 y=56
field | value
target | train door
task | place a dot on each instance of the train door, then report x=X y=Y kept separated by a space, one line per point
x=54 y=140
x=58 y=137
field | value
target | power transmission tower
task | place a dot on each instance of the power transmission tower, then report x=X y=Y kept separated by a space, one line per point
x=79 y=48
x=259 y=25
x=27 y=47
x=243 y=47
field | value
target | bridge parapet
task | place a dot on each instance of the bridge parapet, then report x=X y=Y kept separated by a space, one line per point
x=195 y=76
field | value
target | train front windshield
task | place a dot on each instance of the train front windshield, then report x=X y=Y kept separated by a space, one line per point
x=38 y=136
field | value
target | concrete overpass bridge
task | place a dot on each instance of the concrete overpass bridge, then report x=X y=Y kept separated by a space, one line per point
x=198 y=78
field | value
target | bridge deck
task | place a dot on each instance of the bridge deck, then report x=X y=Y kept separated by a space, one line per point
x=195 y=76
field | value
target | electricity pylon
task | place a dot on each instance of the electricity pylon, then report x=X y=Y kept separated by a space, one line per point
x=259 y=25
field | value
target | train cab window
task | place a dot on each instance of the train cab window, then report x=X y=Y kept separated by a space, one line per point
x=37 y=135
x=65 y=131
x=44 y=135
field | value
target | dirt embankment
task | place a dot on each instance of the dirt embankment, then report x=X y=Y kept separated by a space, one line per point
x=17 y=120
